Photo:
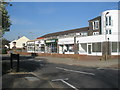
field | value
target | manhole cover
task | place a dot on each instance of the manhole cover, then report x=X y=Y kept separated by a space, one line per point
x=31 y=78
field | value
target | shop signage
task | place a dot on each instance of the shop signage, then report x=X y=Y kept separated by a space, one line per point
x=51 y=41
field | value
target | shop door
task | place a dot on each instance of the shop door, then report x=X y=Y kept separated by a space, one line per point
x=89 y=49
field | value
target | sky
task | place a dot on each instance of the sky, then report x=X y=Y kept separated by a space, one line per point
x=34 y=19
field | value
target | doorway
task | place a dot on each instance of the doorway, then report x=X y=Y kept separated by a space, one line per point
x=89 y=48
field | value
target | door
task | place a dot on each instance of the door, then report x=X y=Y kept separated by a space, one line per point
x=89 y=49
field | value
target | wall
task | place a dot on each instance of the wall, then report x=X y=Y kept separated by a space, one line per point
x=66 y=40
x=19 y=42
x=114 y=26
x=89 y=39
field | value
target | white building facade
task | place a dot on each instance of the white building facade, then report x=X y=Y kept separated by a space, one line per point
x=100 y=38
x=110 y=33
x=36 y=46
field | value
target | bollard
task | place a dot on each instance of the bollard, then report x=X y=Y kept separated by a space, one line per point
x=11 y=61
x=17 y=62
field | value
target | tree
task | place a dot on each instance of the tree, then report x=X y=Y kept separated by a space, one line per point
x=5 y=22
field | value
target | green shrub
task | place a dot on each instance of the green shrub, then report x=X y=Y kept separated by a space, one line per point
x=4 y=51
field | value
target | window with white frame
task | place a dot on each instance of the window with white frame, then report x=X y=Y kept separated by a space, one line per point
x=95 y=25
x=109 y=31
x=108 y=21
x=83 y=33
x=96 y=47
x=114 y=46
x=95 y=33
x=119 y=46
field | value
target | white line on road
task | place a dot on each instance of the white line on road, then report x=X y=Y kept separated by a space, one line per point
x=75 y=71
x=107 y=68
x=69 y=84
x=66 y=83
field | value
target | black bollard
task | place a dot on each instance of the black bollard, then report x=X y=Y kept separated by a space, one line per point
x=18 y=63
x=11 y=61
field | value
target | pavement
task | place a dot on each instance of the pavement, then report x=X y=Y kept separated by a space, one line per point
x=60 y=73
x=110 y=63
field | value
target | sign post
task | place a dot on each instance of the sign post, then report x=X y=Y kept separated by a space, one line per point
x=14 y=56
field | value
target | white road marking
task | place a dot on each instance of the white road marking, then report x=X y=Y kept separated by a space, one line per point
x=99 y=68
x=66 y=83
x=75 y=71
x=32 y=78
x=35 y=60
x=59 y=79
x=107 y=68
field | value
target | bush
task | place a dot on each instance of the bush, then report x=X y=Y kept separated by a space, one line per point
x=4 y=51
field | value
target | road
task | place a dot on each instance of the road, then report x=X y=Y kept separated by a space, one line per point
x=51 y=75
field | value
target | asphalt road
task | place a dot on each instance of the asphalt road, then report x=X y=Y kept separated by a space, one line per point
x=49 y=75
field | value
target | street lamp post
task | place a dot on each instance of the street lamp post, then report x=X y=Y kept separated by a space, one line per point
x=106 y=51
x=108 y=47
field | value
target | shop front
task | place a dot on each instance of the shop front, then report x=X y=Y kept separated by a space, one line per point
x=66 y=45
x=39 y=46
x=51 y=45
x=31 y=47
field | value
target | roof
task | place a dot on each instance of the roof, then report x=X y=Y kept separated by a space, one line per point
x=40 y=38
x=13 y=41
x=23 y=38
x=32 y=40
x=66 y=32
x=96 y=18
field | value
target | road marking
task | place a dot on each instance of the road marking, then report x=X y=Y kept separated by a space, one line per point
x=42 y=79
x=65 y=83
x=51 y=84
x=75 y=71
x=107 y=68
x=32 y=78
x=38 y=76
x=38 y=60
x=32 y=59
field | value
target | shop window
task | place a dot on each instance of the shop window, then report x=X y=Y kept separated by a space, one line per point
x=42 y=49
x=84 y=46
x=114 y=46
x=71 y=48
x=96 y=47
x=119 y=46
x=67 y=46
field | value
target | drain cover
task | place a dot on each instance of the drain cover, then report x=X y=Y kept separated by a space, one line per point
x=31 y=78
